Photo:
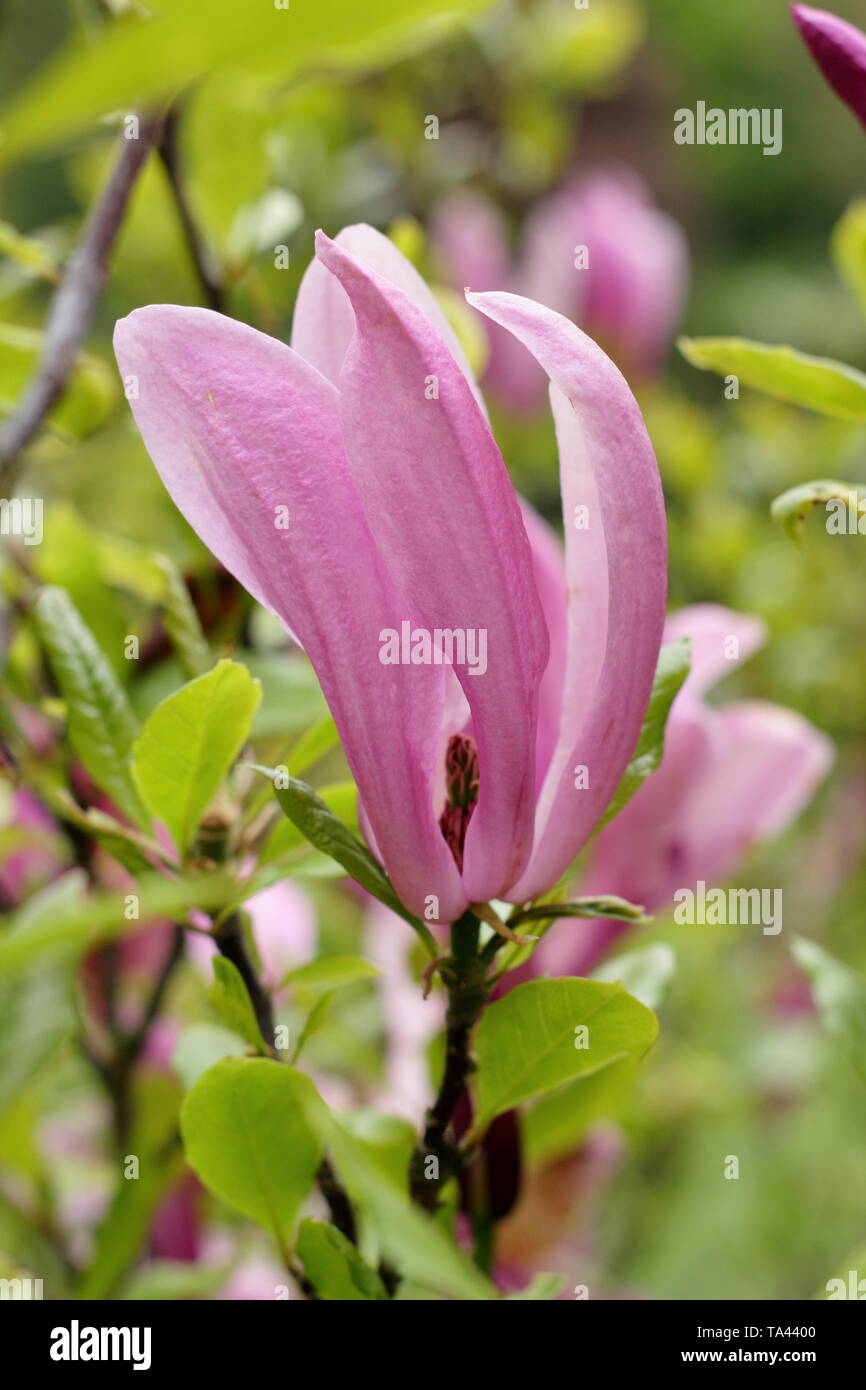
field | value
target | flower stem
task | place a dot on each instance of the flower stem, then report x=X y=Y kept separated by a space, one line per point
x=464 y=975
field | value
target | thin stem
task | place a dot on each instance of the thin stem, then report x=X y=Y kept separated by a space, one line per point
x=463 y=973
x=74 y=301
x=206 y=268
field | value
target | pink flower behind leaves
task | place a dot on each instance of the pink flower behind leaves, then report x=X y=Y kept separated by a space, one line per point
x=33 y=865
x=628 y=296
x=371 y=432
x=730 y=778
x=839 y=49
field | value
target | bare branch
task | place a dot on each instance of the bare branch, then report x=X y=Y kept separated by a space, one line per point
x=74 y=302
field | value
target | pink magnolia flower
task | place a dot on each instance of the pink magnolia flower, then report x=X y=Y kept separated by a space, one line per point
x=730 y=777
x=596 y=250
x=370 y=435
x=839 y=49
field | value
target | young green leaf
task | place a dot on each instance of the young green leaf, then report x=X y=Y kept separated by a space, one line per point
x=189 y=743
x=247 y=1135
x=327 y=832
x=230 y=1001
x=330 y=972
x=791 y=508
x=815 y=383
x=334 y=1267
x=314 y=1020
x=549 y=1032
x=673 y=666
x=100 y=722
x=181 y=621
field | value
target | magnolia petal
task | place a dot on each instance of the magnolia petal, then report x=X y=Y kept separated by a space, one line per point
x=767 y=763
x=243 y=432
x=616 y=567
x=447 y=523
x=324 y=321
x=720 y=640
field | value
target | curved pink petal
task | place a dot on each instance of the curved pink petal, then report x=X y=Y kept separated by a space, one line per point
x=324 y=321
x=839 y=49
x=241 y=428
x=640 y=855
x=447 y=523
x=616 y=568
x=548 y=566
x=720 y=640
x=767 y=763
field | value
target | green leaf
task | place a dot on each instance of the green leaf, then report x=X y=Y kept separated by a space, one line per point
x=412 y=1242
x=322 y=828
x=330 y=972
x=791 y=508
x=100 y=721
x=142 y=61
x=314 y=1020
x=602 y=905
x=334 y=1267
x=245 y=1128
x=848 y=248
x=674 y=663
x=181 y=621
x=840 y=998
x=53 y=924
x=89 y=395
x=229 y=998
x=286 y=838
x=557 y=1125
x=815 y=383
x=528 y=1043
x=189 y=743
x=646 y=974
x=200 y=1046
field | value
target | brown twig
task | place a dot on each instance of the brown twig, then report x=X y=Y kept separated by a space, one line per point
x=206 y=268
x=74 y=302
